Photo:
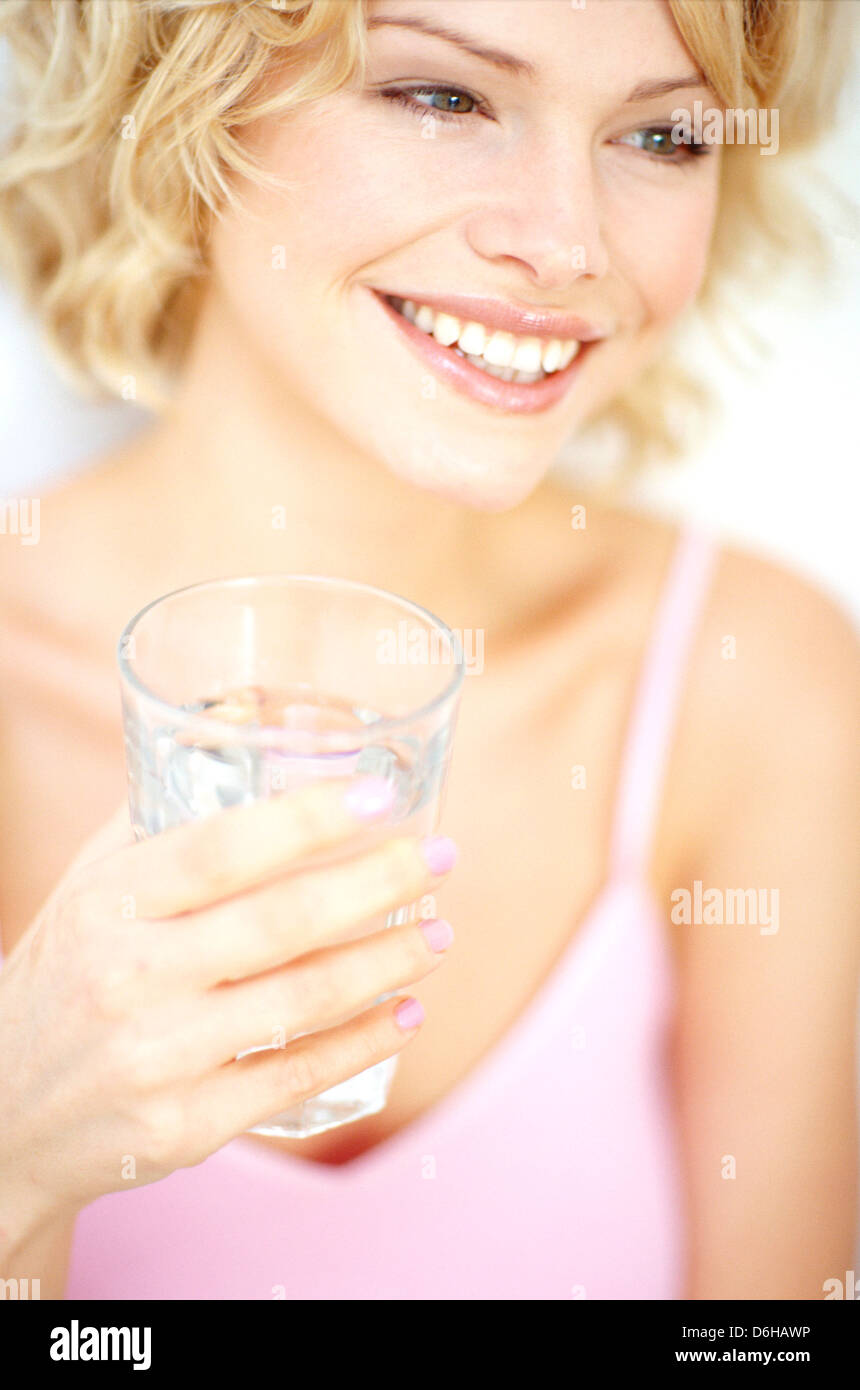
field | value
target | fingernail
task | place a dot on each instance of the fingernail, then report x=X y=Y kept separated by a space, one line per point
x=369 y=796
x=440 y=853
x=409 y=1014
x=437 y=933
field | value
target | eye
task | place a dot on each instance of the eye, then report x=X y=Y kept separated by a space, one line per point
x=450 y=103
x=658 y=142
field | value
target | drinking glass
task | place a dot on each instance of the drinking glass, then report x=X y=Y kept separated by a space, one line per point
x=238 y=689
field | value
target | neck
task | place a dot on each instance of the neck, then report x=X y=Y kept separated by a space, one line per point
x=268 y=484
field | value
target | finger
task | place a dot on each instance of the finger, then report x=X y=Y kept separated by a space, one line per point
x=113 y=835
x=319 y=991
x=308 y=910
x=258 y=1087
x=189 y=866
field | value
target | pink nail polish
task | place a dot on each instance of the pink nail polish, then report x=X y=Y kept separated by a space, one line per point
x=409 y=1014
x=437 y=933
x=369 y=796
x=440 y=853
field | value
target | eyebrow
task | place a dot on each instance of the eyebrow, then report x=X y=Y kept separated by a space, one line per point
x=521 y=67
x=661 y=86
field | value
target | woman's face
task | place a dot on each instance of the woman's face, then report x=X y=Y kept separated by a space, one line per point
x=553 y=190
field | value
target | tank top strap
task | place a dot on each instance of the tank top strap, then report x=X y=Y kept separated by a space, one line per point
x=660 y=683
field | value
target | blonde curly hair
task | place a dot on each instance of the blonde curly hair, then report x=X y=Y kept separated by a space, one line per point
x=128 y=129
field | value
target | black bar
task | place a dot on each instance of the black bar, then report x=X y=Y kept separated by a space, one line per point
x=265 y=1337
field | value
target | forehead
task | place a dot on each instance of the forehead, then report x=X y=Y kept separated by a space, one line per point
x=542 y=42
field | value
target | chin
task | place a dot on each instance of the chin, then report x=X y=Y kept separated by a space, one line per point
x=484 y=483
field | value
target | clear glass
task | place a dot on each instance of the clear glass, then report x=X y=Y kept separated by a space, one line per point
x=244 y=688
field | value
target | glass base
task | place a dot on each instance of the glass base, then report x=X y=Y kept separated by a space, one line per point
x=359 y=1096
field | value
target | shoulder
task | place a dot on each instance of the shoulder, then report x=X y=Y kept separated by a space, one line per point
x=786 y=624
x=776 y=658
x=766 y=736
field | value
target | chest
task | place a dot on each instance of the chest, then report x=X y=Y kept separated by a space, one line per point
x=529 y=802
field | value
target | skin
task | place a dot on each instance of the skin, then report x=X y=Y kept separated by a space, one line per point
x=186 y=989
x=449 y=502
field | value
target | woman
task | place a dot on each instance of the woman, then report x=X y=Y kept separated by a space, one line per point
x=276 y=224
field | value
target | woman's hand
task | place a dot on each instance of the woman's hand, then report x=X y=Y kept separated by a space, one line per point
x=151 y=966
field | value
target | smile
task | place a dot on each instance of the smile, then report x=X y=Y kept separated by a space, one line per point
x=521 y=372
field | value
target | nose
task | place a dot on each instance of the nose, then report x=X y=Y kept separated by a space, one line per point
x=546 y=221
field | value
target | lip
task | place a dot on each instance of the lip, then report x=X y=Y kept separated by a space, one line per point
x=525 y=321
x=520 y=398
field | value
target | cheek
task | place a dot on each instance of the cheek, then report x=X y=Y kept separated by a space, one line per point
x=281 y=261
x=660 y=251
x=350 y=194
x=664 y=251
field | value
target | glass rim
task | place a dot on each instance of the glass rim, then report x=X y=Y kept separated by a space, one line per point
x=269 y=735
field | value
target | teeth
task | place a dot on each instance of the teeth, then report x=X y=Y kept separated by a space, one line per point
x=527 y=357
x=551 y=355
x=473 y=339
x=500 y=354
x=446 y=329
x=503 y=373
x=500 y=350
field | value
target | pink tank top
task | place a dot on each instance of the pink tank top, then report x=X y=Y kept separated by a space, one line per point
x=550 y=1172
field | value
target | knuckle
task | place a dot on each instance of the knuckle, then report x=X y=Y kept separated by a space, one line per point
x=217 y=850
x=416 y=956
x=111 y=989
x=380 y=877
x=147 y=1069
x=373 y=1043
x=160 y=1133
x=206 y=857
x=135 y=1065
x=400 y=865
x=303 y=1074
x=262 y=911
x=107 y=969
x=318 y=991
x=399 y=955
x=283 y=1002
x=198 y=1136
